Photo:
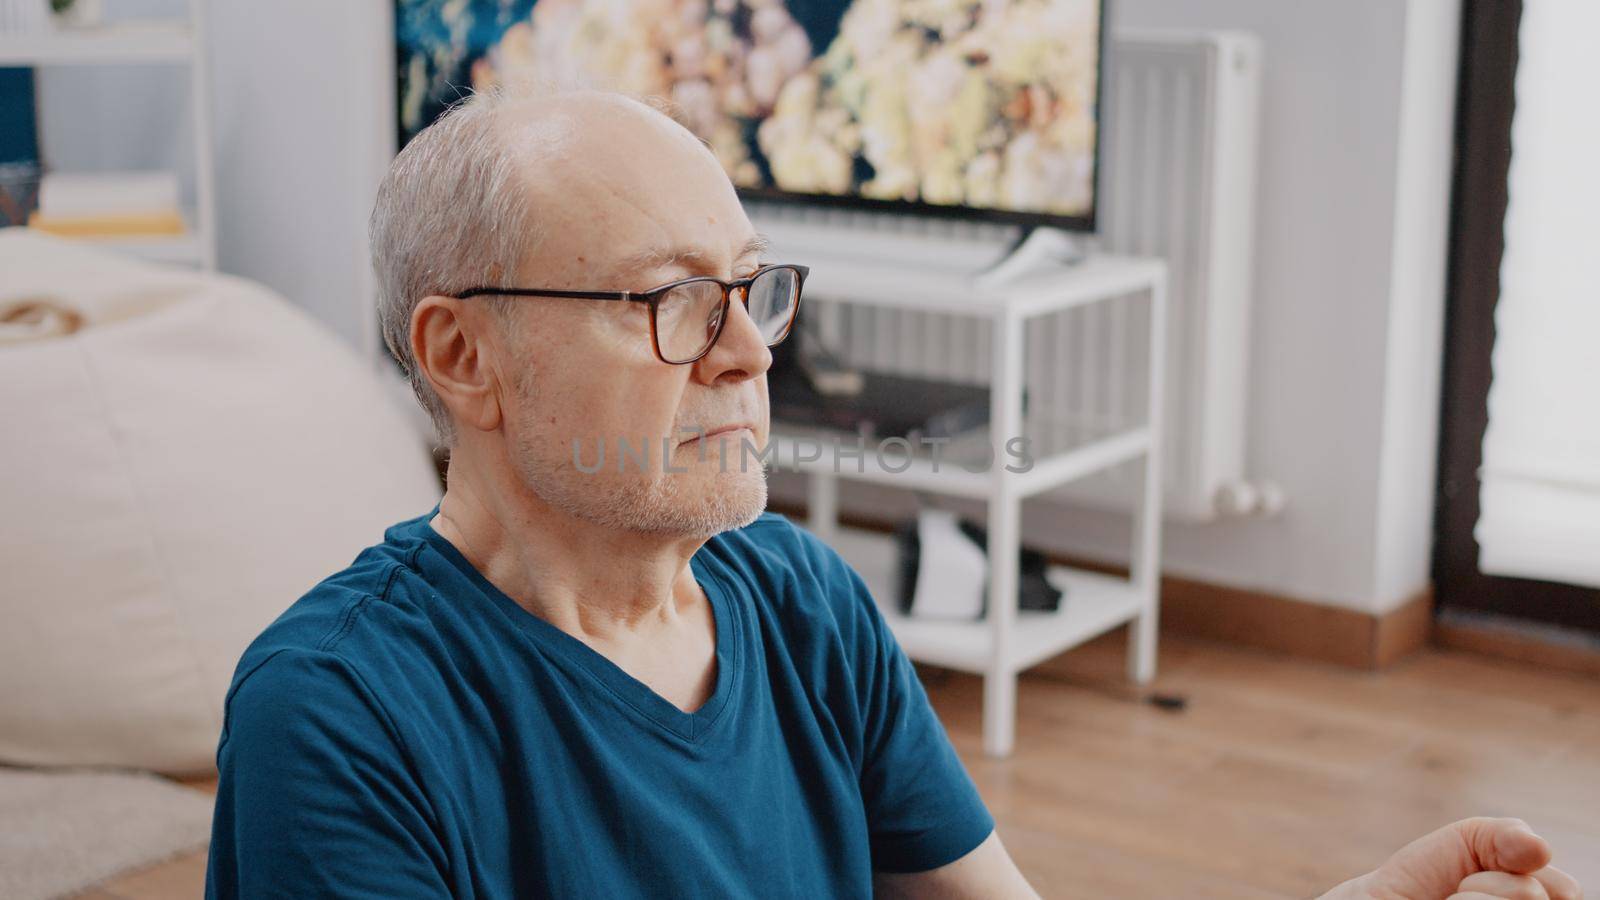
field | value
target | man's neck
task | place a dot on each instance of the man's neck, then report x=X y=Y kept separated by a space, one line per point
x=606 y=587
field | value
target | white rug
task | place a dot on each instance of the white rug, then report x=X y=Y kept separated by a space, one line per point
x=64 y=831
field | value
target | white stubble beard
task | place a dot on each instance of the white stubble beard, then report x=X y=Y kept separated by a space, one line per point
x=725 y=491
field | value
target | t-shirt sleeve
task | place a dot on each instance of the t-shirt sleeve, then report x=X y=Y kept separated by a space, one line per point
x=314 y=797
x=923 y=810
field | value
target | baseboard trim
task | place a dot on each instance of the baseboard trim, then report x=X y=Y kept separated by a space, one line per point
x=1331 y=634
x=1264 y=621
x=1525 y=642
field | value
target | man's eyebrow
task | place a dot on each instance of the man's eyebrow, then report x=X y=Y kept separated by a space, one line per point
x=692 y=258
x=757 y=245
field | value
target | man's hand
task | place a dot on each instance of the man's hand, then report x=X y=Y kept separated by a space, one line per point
x=1473 y=859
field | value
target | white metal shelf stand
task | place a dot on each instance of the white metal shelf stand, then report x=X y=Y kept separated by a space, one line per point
x=1008 y=640
x=168 y=43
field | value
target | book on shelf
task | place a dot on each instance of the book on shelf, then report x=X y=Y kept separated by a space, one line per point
x=108 y=204
x=113 y=225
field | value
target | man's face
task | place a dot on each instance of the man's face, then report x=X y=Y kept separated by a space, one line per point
x=630 y=201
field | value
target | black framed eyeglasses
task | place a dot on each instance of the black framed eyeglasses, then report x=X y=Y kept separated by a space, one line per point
x=687 y=316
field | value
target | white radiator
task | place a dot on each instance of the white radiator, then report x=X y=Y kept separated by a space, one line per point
x=1177 y=181
x=1179 y=163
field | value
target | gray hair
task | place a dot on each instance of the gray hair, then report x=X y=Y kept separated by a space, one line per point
x=451 y=214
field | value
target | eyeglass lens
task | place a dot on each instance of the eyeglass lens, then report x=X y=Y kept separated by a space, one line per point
x=687 y=317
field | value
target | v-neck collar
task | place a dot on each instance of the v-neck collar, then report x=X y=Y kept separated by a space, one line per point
x=577 y=656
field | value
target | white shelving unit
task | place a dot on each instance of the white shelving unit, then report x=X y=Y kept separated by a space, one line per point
x=167 y=43
x=1008 y=640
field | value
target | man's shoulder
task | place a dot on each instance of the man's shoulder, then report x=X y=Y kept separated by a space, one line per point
x=320 y=623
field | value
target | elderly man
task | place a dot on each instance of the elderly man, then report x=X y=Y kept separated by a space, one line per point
x=610 y=680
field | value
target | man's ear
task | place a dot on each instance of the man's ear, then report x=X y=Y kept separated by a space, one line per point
x=449 y=343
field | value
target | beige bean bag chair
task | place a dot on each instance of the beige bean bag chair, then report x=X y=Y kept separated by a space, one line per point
x=182 y=455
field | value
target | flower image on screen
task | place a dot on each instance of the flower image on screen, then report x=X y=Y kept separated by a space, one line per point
x=987 y=106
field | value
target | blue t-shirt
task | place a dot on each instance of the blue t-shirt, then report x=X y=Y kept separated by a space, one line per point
x=407 y=730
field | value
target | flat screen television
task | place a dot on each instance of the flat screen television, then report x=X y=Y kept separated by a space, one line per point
x=984 y=109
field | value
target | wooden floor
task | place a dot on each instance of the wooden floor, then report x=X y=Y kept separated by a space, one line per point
x=1280 y=779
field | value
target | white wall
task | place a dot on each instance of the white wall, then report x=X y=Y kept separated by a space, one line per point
x=304 y=101
x=1357 y=107
x=1356 y=115
x=1358 y=110
x=1325 y=230
x=1412 y=370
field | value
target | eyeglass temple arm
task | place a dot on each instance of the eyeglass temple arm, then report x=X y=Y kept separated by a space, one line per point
x=534 y=292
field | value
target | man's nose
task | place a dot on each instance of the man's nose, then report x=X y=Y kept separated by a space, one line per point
x=741 y=350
